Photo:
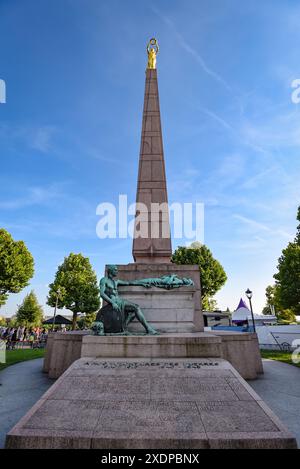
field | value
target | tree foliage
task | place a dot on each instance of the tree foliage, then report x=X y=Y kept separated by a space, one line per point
x=16 y=266
x=209 y=304
x=77 y=281
x=297 y=238
x=286 y=315
x=30 y=313
x=273 y=300
x=212 y=274
x=288 y=275
x=272 y=297
x=2 y=322
x=85 y=322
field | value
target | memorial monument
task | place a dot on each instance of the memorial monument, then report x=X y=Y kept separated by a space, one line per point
x=152 y=250
x=148 y=376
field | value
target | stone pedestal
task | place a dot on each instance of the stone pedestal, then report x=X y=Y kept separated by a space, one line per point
x=177 y=310
x=240 y=349
x=165 y=346
x=150 y=404
x=62 y=351
x=166 y=311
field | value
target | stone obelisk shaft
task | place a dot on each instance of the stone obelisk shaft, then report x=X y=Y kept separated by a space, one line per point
x=152 y=240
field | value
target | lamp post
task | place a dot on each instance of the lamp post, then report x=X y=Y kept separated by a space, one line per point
x=56 y=303
x=249 y=294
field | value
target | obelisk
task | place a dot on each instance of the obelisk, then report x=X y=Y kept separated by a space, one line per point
x=152 y=239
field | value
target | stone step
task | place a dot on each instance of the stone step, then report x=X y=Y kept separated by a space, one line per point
x=150 y=403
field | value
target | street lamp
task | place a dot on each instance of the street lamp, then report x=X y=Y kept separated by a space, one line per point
x=56 y=303
x=249 y=294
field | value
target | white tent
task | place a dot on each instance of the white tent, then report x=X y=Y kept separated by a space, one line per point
x=241 y=313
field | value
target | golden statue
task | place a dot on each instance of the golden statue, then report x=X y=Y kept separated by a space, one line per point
x=152 y=49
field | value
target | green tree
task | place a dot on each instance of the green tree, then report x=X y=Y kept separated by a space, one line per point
x=209 y=304
x=16 y=266
x=30 y=313
x=266 y=310
x=85 y=322
x=78 y=282
x=288 y=278
x=286 y=315
x=270 y=294
x=13 y=321
x=274 y=304
x=2 y=322
x=212 y=274
x=297 y=238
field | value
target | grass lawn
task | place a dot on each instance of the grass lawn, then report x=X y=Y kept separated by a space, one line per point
x=285 y=357
x=17 y=356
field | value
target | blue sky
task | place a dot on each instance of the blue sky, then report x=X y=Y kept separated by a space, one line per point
x=70 y=130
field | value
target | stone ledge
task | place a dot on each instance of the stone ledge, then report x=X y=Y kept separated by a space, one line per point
x=168 y=266
x=163 y=346
x=182 y=338
x=160 y=291
x=240 y=349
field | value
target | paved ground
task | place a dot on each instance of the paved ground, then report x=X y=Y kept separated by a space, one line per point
x=23 y=384
x=280 y=389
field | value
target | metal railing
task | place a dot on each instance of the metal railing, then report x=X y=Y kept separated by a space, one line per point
x=284 y=347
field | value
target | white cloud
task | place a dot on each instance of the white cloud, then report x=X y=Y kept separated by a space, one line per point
x=256 y=226
x=41 y=138
x=235 y=131
x=37 y=137
x=191 y=50
x=258 y=178
x=33 y=196
x=252 y=223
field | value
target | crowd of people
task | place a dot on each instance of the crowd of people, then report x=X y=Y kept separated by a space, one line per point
x=16 y=337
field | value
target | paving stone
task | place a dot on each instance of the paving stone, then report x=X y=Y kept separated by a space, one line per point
x=154 y=403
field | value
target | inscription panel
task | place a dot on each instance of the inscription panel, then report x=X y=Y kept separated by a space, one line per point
x=151 y=364
x=136 y=416
x=66 y=415
x=240 y=416
x=192 y=388
x=99 y=389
